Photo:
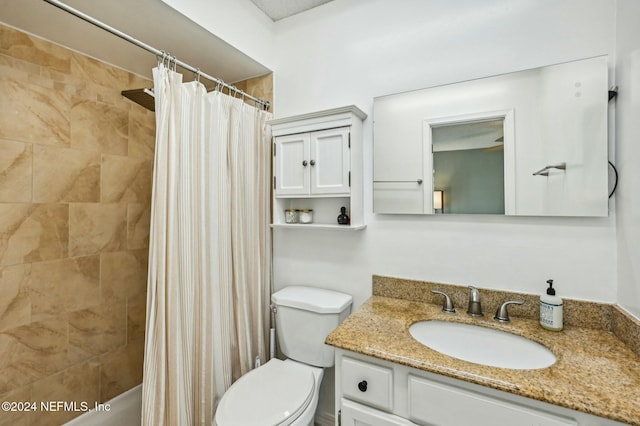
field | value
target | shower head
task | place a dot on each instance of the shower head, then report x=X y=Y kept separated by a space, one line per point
x=144 y=97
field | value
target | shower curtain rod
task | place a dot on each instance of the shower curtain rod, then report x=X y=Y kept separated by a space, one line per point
x=157 y=52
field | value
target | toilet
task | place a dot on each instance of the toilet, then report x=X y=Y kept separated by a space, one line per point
x=281 y=393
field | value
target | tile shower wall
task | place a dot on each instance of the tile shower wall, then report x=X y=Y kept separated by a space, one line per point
x=258 y=87
x=75 y=187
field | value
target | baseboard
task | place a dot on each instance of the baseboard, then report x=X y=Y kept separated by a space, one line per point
x=324 y=419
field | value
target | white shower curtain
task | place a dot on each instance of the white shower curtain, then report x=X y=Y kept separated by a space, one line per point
x=209 y=250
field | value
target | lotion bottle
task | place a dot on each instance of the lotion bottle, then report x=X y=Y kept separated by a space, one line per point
x=551 y=309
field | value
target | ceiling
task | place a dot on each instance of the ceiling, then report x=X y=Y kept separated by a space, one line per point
x=278 y=9
x=149 y=21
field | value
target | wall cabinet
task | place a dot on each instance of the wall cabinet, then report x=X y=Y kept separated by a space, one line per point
x=317 y=165
x=375 y=392
x=313 y=163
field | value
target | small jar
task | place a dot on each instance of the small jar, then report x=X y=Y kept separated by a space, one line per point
x=305 y=216
x=291 y=216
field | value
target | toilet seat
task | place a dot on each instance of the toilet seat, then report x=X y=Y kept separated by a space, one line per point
x=274 y=394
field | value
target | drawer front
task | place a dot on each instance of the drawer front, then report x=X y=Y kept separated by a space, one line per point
x=367 y=383
x=438 y=404
x=354 y=414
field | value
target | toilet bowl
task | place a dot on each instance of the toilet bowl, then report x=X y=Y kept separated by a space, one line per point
x=278 y=393
x=282 y=393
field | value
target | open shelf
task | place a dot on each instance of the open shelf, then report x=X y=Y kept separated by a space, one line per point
x=318 y=226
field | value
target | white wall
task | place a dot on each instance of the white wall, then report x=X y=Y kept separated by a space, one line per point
x=238 y=22
x=350 y=51
x=628 y=154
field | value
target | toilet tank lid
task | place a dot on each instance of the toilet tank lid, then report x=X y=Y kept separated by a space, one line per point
x=312 y=299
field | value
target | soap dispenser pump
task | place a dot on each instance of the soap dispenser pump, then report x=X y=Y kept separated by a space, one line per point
x=551 y=309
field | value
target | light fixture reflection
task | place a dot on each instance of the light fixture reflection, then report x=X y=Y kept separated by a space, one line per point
x=438 y=201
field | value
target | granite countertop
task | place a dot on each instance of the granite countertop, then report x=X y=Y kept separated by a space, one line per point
x=595 y=372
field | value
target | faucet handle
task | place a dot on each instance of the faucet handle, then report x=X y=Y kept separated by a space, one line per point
x=502 y=314
x=447 y=305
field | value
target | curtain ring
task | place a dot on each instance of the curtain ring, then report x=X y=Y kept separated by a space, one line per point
x=162 y=59
x=198 y=75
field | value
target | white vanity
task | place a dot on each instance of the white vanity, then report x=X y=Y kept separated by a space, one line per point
x=371 y=391
x=386 y=377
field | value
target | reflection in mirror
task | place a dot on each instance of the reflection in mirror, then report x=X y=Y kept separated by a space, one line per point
x=468 y=167
x=552 y=160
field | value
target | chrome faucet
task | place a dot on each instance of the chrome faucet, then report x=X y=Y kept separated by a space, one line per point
x=475 y=308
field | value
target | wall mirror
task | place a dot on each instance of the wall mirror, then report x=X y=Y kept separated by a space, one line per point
x=529 y=143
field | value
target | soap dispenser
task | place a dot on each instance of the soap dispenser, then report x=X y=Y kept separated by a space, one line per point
x=551 y=309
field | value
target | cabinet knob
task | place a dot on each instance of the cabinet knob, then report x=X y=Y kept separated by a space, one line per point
x=304 y=163
x=362 y=386
x=313 y=162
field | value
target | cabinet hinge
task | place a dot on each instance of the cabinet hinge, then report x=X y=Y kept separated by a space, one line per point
x=339 y=417
x=274 y=182
x=349 y=178
x=274 y=149
x=349 y=140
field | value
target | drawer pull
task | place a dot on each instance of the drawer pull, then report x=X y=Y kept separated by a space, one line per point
x=362 y=386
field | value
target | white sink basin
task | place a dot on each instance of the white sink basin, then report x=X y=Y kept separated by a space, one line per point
x=482 y=345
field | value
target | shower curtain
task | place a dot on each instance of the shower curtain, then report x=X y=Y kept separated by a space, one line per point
x=209 y=250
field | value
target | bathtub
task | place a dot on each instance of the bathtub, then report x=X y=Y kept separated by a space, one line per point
x=125 y=410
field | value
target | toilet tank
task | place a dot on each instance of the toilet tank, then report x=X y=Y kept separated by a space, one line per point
x=304 y=318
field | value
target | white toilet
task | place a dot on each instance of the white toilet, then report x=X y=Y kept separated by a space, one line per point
x=286 y=392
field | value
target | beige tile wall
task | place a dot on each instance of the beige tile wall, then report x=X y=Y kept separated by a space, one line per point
x=259 y=87
x=76 y=161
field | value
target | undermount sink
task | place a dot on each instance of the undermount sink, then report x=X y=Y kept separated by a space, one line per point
x=482 y=345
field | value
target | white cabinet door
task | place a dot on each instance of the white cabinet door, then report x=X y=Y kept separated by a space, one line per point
x=329 y=161
x=316 y=163
x=438 y=404
x=354 y=414
x=291 y=165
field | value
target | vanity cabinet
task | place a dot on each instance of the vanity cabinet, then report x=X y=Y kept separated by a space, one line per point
x=317 y=165
x=374 y=392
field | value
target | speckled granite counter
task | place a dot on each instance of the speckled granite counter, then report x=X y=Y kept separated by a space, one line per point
x=595 y=372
